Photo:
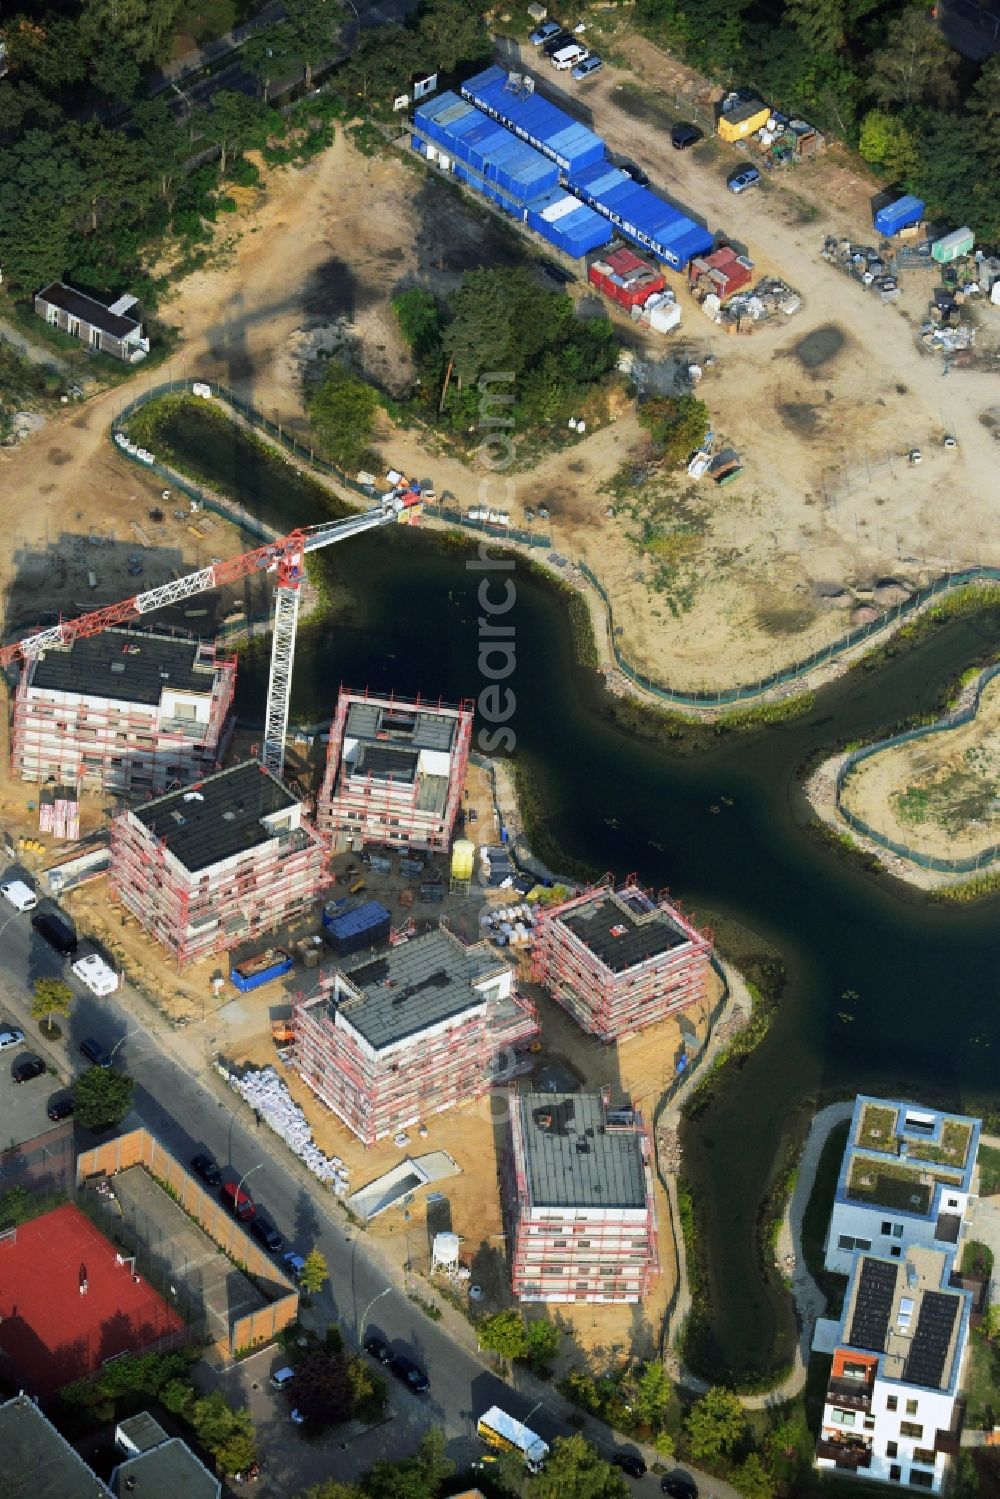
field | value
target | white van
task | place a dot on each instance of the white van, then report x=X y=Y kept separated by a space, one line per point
x=98 y=976
x=568 y=57
x=20 y=895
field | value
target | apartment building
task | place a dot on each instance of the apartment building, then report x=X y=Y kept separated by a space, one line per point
x=224 y=861
x=620 y=960
x=124 y=712
x=395 y=769
x=578 y=1200
x=891 y=1411
x=905 y=1180
x=421 y=1027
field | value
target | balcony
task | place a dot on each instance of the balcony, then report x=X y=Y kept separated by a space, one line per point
x=847 y=1453
x=850 y=1394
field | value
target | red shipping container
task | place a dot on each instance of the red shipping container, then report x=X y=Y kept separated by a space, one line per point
x=625 y=278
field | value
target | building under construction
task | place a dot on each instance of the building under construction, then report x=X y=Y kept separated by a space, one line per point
x=424 y=1026
x=394 y=772
x=124 y=712
x=620 y=960
x=578 y=1200
x=217 y=864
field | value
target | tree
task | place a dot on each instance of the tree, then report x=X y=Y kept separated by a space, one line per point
x=102 y=1097
x=916 y=65
x=115 y=73
x=984 y=108
x=575 y=1468
x=50 y=997
x=311 y=32
x=114 y=171
x=321 y=1390
x=542 y=1341
x=228 y=1434
x=714 y=1425
x=142 y=28
x=42 y=193
x=503 y=320
x=452 y=31
x=504 y=1333
x=380 y=65
x=418 y=1477
x=234 y=122
x=333 y=1488
x=676 y=425
x=314 y=1273
x=163 y=144
x=753 y=1480
x=267 y=54
x=342 y=412
x=419 y=319
x=783 y=1439
x=652 y=1394
x=887 y=144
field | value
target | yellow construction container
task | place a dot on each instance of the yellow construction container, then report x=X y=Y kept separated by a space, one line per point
x=463 y=859
x=742 y=121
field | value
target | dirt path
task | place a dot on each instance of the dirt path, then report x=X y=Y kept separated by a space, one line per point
x=34 y=353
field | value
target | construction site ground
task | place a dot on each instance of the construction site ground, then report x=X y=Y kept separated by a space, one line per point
x=746 y=578
x=939 y=794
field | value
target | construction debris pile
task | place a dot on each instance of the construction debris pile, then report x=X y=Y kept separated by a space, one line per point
x=268 y=1096
x=865 y=264
x=943 y=329
x=758 y=304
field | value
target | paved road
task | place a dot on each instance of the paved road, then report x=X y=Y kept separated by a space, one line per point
x=192 y=1111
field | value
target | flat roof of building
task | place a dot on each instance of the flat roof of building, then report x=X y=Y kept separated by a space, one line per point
x=415 y=986
x=23 y=1109
x=88 y=310
x=126 y=665
x=219 y=817
x=624 y=928
x=905 y=1311
x=38 y=1463
x=143 y=1431
x=904 y=1156
x=573 y=1159
x=169 y=1471
x=410 y=725
x=385 y=762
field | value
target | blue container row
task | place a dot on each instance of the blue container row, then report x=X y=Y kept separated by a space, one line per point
x=641 y=216
x=567 y=223
x=467 y=135
x=533 y=119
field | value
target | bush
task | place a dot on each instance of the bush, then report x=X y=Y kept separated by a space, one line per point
x=244 y=173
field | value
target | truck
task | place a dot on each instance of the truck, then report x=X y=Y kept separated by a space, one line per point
x=501 y=1431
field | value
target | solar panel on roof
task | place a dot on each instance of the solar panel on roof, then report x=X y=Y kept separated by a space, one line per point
x=873 y=1305
x=929 y=1349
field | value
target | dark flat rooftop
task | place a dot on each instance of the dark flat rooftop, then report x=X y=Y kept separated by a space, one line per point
x=126 y=665
x=385 y=762
x=414 y=986
x=415 y=728
x=219 y=817
x=599 y=925
x=608 y=1173
x=78 y=304
x=38 y=1463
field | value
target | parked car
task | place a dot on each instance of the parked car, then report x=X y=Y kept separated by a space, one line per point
x=379 y=1349
x=679 y=1486
x=61 y=1108
x=556 y=43
x=410 y=1373
x=294 y=1263
x=563 y=277
x=10 y=1038
x=747 y=178
x=629 y=1462
x=545 y=32
x=27 y=1067
x=684 y=134
x=638 y=176
x=99 y=977
x=95 y=1053
x=205 y=1167
x=591 y=64
x=20 y=895
x=567 y=57
x=56 y=930
x=266 y=1234
x=237 y=1202
x=281 y=1378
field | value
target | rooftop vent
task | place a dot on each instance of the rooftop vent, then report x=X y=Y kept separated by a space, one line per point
x=193 y=796
x=179 y=818
x=118 y=666
x=227 y=816
x=582 y=1147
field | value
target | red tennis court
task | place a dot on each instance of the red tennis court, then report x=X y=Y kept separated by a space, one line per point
x=67 y=1305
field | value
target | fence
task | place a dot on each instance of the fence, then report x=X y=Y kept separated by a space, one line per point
x=255 y=418
x=971 y=862
x=971 y=577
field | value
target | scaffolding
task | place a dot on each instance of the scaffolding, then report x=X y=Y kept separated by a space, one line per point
x=195 y=913
x=579 y=1251
x=378 y=1091
x=360 y=809
x=620 y=960
x=113 y=744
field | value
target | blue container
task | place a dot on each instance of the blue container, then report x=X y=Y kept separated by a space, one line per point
x=895 y=216
x=365 y=926
x=549 y=129
x=576 y=232
x=244 y=983
x=641 y=216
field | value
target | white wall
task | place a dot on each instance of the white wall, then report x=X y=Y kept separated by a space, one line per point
x=855 y=1220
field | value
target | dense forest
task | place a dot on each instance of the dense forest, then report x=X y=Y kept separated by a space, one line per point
x=877 y=73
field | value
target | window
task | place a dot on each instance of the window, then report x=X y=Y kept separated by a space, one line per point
x=911 y=1407
x=897 y=1231
x=911 y=1429
x=891 y=1449
x=896 y=1252
x=869 y=1423
x=924 y=1455
x=843 y=1418
x=921 y=1480
x=886 y=1229
x=845 y=1242
x=895 y=1473
x=892 y=1404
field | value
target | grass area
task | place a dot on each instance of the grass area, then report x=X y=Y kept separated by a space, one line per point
x=977 y=1259
x=877 y=1130
x=953 y=1149
x=893 y=1185
x=816 y=1218
x=989 y=1171
x=982 y=1382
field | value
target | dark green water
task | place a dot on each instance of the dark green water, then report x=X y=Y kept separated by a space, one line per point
x=926 y=1019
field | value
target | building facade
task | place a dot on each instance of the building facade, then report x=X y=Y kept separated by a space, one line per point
x=427 y=1025
x=123 y=712
x=578 y=1200
x=620 y=960
x=225 y=861
x=905 y=1180
x=891 y=1411
x=106 y=330
x=394 y=772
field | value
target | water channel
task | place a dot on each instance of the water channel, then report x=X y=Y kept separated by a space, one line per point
x=886 y=991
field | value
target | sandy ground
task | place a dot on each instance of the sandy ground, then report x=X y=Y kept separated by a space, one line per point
x=939 y=795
